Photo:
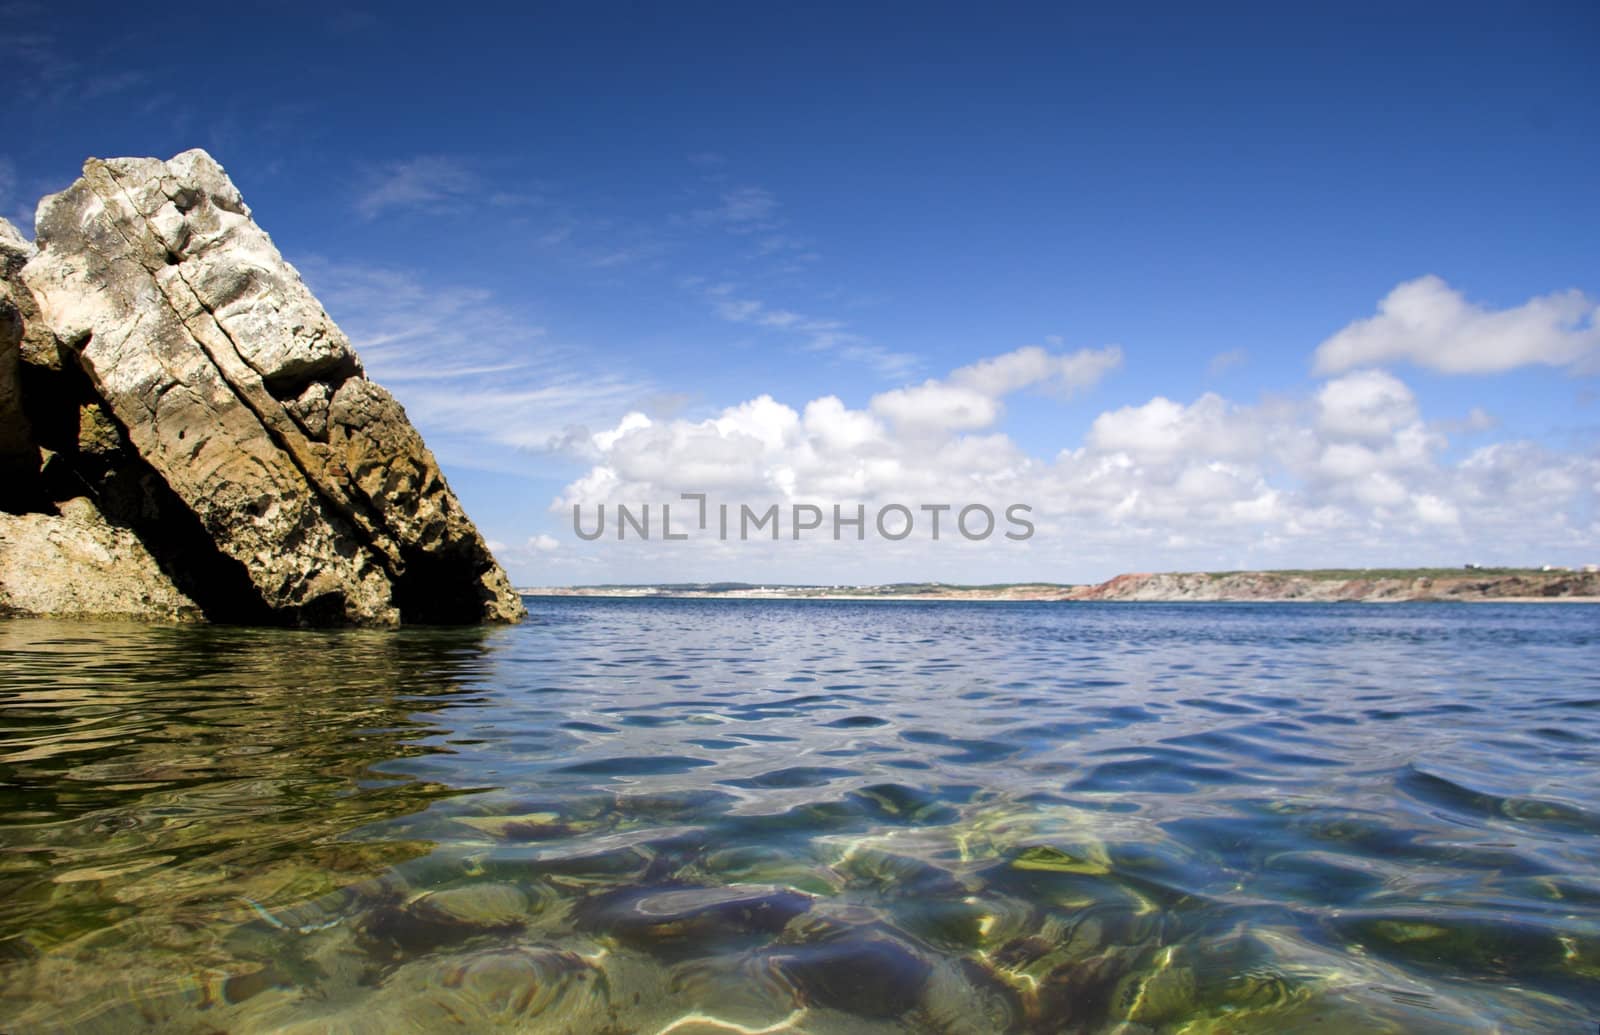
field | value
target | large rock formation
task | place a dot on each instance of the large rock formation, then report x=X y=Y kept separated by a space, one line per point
x=219 y=414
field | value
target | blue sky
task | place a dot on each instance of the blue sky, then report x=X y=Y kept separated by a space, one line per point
x=533 y=227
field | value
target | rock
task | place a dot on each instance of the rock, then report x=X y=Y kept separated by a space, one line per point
x=866 y=976
x=233 y=385
x=19 y=456
x=699 y=917
x=75 y=563
x=1360 y=585
x=438 y=918
x=39 y=345
x=485 y=905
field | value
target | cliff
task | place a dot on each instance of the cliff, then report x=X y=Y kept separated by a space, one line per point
x=180 y=415
x=1337 y=586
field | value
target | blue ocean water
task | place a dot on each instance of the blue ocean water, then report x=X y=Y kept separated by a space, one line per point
x=652 y=815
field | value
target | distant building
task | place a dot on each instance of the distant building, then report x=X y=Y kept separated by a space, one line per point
x=1591 y=569
x=1554 y=567
x=1472 y=567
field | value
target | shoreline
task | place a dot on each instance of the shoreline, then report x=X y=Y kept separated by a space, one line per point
x=951 y=598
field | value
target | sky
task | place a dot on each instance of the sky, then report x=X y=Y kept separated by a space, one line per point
x=1233 y=287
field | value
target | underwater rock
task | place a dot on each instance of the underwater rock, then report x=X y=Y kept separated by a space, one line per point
x=482 y=905
x=867 y=976
x=445 y=917
x=672 y=918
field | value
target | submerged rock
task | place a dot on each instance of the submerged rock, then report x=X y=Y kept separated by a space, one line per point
x=674 y=918
x=440 y=918
x=484 y=905
x=213 y=370
x=866 y=976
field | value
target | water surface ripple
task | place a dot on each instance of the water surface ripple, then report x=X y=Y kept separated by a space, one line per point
x=704 y=816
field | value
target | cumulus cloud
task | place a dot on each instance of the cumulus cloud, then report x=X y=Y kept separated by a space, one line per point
x=1351 y=473
x=1162 y=429
x=1032 y=366
x=1368 y=404
x=1430 y=324
x=970 y=398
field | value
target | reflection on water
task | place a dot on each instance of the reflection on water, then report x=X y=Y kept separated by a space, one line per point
x=700 y=817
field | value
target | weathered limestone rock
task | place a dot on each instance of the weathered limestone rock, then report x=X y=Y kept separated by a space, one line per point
x=39 y=346
x=75 y=563
x=19 y=457
x=17 y=454
x=230 y=381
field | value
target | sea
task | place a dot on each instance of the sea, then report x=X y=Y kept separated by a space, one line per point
x=740 y=816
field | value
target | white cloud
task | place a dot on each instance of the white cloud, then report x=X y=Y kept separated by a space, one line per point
x=1435 y=511
x=429 y=183
x=1162 y=430
x=937 y=406
x=1430 y=324
x=1032 y=366
x=1351 y=474
x=1368 y=404
x=970 y=398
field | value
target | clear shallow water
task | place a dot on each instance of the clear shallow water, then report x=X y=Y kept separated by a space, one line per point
x=686 y=816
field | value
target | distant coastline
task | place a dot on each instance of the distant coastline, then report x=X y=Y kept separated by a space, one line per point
x=1362 y=585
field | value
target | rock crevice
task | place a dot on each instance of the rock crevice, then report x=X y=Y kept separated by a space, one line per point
x=186 y=341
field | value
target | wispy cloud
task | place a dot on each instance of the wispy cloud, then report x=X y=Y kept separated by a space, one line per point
x=8 y=184
x=1225 y=361
x=427 y=183
x=43 y=69
x=813 y=334
x=611 y=256
x=468 y=366
x=742 y=210
x=98 y=86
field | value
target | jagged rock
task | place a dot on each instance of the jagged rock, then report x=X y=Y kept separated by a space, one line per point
x=229 y=380
x=75 y=563
x=39 y=346
x=19 y=457
x=16 y=439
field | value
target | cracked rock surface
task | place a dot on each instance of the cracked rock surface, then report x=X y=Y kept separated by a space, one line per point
x=75 y=563
x=215 y=380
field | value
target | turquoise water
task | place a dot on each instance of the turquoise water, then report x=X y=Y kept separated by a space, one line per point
x=702 y=816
